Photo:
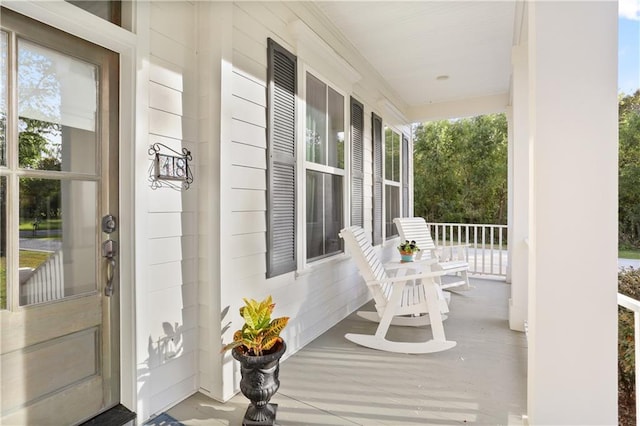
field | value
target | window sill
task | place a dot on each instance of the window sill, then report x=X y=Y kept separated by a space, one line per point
x=322 y=263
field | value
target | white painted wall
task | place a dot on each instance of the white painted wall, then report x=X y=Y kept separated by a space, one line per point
x=572 y=300
x=519 y=181
x=167 y=280
x=232 y=69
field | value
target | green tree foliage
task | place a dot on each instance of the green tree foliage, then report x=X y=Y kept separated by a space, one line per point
x=629 y=285
x=460 y=170
x=34 y=144
x=629 y=170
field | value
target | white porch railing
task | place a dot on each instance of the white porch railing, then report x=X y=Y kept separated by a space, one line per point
x=634 y=305
x=487 y=245
x=45 y=283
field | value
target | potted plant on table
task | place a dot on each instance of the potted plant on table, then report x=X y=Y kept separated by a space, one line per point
x=408 y=250
x=258 y=347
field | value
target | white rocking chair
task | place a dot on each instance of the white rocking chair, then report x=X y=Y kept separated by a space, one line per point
x=409 y=300
x=416 y=228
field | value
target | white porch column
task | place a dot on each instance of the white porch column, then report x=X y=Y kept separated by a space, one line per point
x=572 y=374
x=215 y=74
x=519 y=159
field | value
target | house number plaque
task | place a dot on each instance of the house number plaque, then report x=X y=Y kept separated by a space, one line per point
x=170 y=165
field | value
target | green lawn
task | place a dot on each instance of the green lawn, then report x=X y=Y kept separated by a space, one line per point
x=33 y=259
x=48 y=224
x=629 y=253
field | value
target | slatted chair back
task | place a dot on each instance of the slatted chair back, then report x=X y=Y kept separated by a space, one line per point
x=368 y=263
x=416 y=228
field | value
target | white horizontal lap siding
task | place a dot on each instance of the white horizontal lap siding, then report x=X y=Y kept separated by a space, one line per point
x=249 y=89
x=248 y=179
x=172 y=224
x=247 y=156
x=248 y=222
x=259 y=19
x=175 y=21
x=172 y=283
x=248 y=133
x=318 y=300
x=315 y=300
x=250 y=268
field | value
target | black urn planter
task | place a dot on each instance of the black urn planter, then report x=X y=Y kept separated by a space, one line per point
x=259 y=383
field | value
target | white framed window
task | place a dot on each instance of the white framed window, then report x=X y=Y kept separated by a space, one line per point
x=324 y=168
x=392 y=184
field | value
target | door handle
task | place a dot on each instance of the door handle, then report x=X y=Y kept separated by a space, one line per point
x=111 y=271
x=109 y=251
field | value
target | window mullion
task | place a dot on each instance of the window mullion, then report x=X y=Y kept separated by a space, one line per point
x=12 y=199
x=324 y=217
x=326 y=125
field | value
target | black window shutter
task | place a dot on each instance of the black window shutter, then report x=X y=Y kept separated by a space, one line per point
x=376 y=136
x=281 y=160
x=357 y=163
x=405 y=176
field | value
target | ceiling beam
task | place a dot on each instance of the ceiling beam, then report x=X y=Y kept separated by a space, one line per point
x=460 y=108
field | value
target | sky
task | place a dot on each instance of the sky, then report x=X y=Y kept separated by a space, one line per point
x=628 y=46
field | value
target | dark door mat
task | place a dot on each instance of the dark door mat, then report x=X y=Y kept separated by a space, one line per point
x=116 y=416
x=163 y=420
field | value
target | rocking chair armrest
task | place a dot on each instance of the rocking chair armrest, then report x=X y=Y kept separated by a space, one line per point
x=402 y=279
x=390 y=266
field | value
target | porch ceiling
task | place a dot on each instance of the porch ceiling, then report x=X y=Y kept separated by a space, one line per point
x=412 y=43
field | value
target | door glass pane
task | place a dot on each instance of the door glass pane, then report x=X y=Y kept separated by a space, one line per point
x=3 y=242
x=57 y=108
x=57 y=239
x=3 y=98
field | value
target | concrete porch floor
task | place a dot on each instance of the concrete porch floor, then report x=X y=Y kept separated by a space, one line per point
x=482 y=380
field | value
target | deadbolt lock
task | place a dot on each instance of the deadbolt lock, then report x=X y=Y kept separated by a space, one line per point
x=109 y=224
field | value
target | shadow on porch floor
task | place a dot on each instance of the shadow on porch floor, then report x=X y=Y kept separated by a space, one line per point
x=332 y=381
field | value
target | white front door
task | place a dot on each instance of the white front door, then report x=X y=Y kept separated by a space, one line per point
x=59 y=360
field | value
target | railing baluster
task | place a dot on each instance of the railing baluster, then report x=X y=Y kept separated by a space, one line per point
x=466 y=241
x=492 y=236
x=500 y=254
x=484 y=249
x=475 y=248
x=485 y=245
x=450 y=239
